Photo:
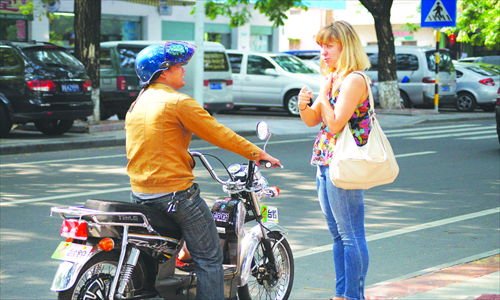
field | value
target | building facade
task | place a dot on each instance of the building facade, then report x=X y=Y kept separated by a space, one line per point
x=133 y=20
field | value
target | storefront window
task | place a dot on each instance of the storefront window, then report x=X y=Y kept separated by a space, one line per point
x=14 y=30
x=113 y=28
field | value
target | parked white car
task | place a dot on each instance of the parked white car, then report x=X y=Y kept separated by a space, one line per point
x=478 y=85
x=416 y=72
x=265 y=80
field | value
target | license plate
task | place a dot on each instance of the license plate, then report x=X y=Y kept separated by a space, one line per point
x=72 y=252
x=216 y=86
x=70 y=87
x=269 y=214
x=446 y=88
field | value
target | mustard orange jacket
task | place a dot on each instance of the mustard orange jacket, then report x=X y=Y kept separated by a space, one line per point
x=159 y=127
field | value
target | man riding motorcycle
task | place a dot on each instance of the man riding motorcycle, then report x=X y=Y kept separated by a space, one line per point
x=159 y=126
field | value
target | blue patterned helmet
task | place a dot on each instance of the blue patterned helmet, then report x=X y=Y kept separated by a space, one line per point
x=156 y=58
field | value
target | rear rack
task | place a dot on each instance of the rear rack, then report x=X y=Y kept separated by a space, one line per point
x=74 y=211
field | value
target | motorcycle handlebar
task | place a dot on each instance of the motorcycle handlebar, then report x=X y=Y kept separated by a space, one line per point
x=268 y=164
x=247 y=186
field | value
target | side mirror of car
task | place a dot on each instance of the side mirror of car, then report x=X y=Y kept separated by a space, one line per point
x=271 y=72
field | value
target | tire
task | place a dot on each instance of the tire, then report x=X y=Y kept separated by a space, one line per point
x=466 y=102
x=5 y=122
x=405 y=100
x=292 y=103
x=96 y=276
x=279 y=290
x=54 y=127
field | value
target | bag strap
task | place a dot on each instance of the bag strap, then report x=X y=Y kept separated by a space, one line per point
x=370 y=93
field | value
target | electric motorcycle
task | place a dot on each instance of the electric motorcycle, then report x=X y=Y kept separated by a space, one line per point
x=121 y=250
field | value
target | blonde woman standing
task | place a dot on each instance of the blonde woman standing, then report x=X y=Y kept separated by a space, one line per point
x=343 y=98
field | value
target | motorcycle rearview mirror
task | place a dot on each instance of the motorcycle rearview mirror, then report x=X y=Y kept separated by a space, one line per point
x=263 y=132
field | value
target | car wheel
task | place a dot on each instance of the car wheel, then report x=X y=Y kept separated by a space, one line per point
x=5 y=122
x=54 y=127
x=405 y=100
x=292 y=103
x=466 y=102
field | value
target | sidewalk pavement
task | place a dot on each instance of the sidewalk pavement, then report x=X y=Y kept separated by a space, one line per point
x=475 y=278
x=27 y=139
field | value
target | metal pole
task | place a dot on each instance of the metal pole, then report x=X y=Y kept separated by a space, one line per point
x=199 y=31
x=436 y=88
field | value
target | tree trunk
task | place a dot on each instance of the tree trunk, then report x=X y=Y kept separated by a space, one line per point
x=388 y=80
x=87 y=45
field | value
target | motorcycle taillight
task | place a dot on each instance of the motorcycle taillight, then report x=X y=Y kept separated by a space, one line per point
x=75 y=229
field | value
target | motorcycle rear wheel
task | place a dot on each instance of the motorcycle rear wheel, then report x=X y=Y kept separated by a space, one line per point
x=95 y=279
x=276 y=290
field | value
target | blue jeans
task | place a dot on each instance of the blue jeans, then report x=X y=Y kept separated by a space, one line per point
x=344 y=214
x=202 y=240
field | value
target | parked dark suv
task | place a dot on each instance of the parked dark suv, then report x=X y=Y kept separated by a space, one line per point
x=41 y=83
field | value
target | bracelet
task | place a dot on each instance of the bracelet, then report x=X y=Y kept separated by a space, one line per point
x=304 y=108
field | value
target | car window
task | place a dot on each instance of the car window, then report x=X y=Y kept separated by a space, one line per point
x=10 y=63
x=445 y=62
x=373 y=57
x=293 y=65
x=235 y=60
x=459 y=74
x=105 y=59
x=481 y=71
x=215 y=61
x=51 y=57
x=127 y=56
x=257 y=65
x=406 y=62
x=494 y=60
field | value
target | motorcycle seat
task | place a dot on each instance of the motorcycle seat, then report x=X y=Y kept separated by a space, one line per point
x=156 y=218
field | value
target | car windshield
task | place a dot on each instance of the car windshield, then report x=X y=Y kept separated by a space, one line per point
x=445 y=62
x=293 y=65
x=127 y=56
x=52 y=56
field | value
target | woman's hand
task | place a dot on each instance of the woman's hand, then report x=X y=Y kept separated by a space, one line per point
x=325 y=85
x=305 y=97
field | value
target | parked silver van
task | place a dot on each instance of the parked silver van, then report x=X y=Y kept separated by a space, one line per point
x=120 y=84
x=416 y=71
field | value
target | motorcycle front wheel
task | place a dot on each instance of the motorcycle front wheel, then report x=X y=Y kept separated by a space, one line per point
x=95 y=278
x=260 y=286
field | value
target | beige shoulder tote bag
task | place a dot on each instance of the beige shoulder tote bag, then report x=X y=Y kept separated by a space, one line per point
x=355 y=167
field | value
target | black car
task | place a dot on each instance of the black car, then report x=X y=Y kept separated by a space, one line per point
x=41 y=83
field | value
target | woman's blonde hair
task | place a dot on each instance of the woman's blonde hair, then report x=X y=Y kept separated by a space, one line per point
x=352 y=58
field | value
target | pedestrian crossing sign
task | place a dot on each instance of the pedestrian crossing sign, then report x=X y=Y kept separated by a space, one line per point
x=438 y=13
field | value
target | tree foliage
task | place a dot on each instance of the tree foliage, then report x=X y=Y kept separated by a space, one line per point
x=479 y=23
x=275 y=10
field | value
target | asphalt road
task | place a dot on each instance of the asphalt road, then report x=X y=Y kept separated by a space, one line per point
x=443 y=207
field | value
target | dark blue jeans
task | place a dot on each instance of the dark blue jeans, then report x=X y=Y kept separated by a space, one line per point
x=344 y=212
x=202 y=240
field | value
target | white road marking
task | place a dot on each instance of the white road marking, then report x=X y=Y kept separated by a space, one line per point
x=405 y=230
